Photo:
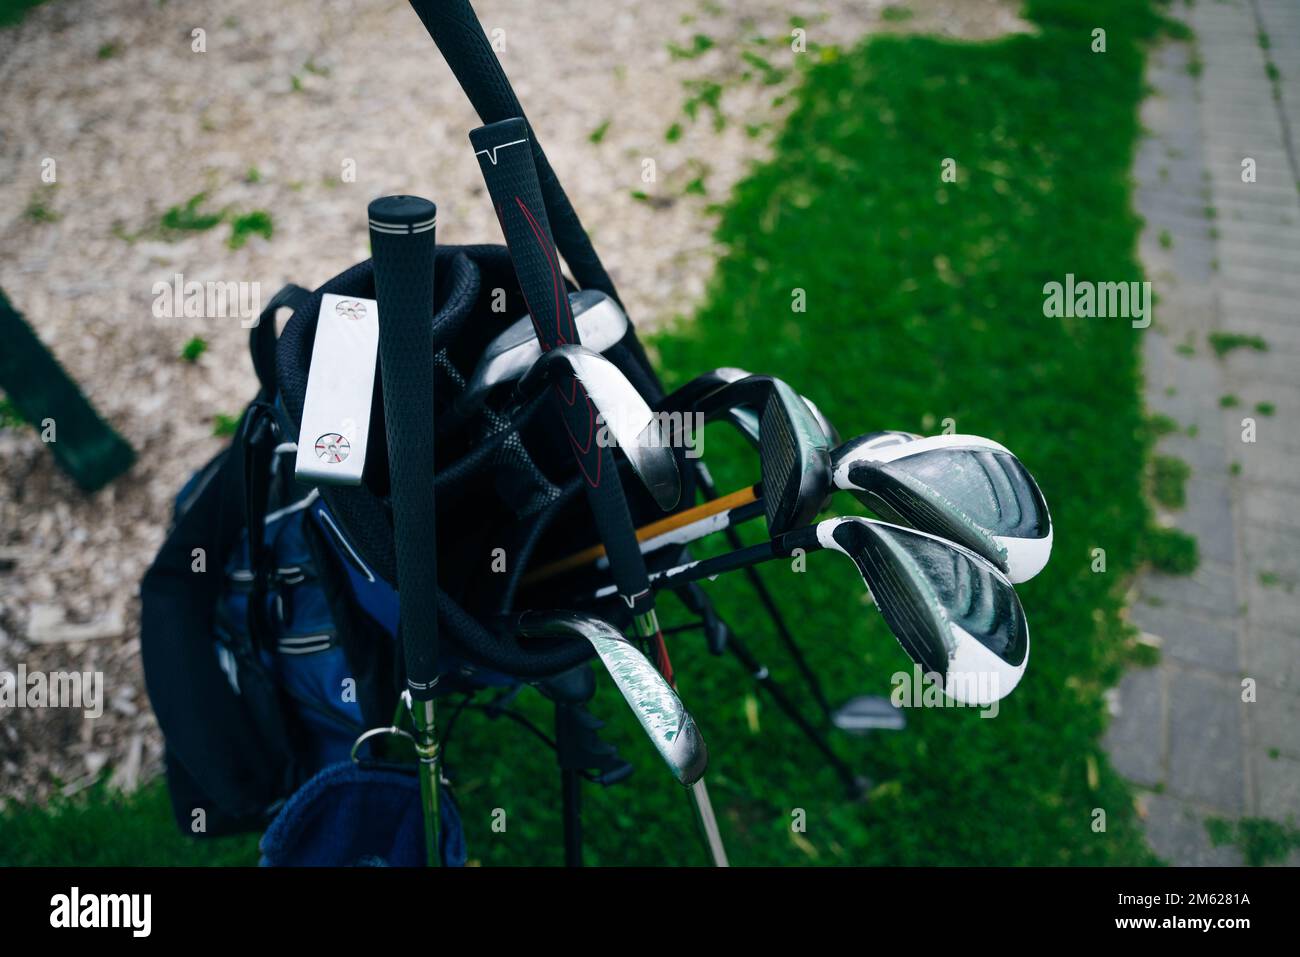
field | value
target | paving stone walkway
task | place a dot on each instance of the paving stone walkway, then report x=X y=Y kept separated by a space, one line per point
x=1224 y=257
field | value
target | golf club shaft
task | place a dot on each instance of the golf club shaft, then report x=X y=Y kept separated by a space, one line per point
x=710 y=492
x=740 y=506
x=506 y=161
x=402 y=239
x=780 y=546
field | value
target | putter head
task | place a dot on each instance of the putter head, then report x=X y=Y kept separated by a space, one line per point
x=867 y=713
x=601 y=324
x=623 y=411
x=965 y=488
x=658 y=710
x=954 y=613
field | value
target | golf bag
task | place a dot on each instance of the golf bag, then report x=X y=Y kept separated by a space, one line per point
x=269 y=615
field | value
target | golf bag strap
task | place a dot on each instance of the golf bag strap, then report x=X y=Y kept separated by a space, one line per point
x=261 y=340
x=237 y=786
x=259 y=436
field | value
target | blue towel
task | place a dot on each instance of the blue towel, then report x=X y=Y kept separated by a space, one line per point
x=355 y=816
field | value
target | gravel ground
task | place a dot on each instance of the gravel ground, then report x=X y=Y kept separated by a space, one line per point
x=285 y=94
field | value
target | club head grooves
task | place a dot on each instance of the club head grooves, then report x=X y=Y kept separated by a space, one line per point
x=953 y=612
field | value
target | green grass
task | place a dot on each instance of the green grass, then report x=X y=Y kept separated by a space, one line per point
x=895 y=13
x=1224 y=342
x=39 y=208
x=244 y=226
x=194 y=348
x=102 y=828
x=188 y=217
x=1260 y=841
x=1171 y=551
x=12 y=12
x=1169 y=480
x=10 y=417
x=924 y=301
x=224 y=425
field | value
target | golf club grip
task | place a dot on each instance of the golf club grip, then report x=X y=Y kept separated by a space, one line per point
x=502 y=152
x=456 y=30
x=507 y=164
x=402 y=242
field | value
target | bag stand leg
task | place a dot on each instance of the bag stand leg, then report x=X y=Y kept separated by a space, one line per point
x=721 y=637
x=579 y=750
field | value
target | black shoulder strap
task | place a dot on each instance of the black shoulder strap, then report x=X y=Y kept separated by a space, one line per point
x=258 y=437
x=261 y=341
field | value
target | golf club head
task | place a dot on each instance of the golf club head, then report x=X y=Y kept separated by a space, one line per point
x=744 y=418
x=793 y=455
x=658 y=710
x=623 y=412
x=965 y=488
x=867 y=713
x=954 y=613
x=601 y=324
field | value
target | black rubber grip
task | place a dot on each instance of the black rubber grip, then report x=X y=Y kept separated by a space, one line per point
x=506 y=160
x=402 y=243
x=456 y=30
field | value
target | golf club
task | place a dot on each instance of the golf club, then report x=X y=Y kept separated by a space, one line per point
x=601 y=324
x=860 y=714
x=402 y=241
x=744 y=417
x=954 y=613
x=658 y=710
x=965 y=488
x=506 y=158
x=621 y=411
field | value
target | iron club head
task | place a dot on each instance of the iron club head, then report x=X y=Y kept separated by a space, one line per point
x=658 y=710
x=601 y=324
x=624 y=413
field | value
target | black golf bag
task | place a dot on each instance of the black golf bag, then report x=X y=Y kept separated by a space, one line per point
x=265 y=666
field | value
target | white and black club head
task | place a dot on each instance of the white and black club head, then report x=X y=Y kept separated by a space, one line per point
x=954 y=613
x=966 y=488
